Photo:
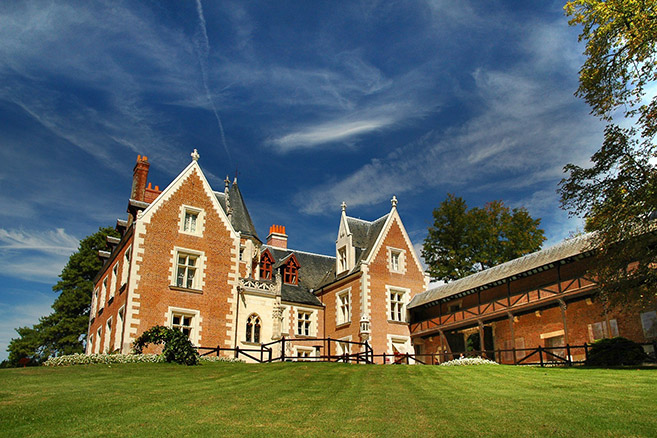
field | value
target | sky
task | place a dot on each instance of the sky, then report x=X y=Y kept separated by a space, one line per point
x=310 y=103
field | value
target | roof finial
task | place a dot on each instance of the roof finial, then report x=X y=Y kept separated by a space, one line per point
x=343 y=206
x=393 y=201
x=195 y=155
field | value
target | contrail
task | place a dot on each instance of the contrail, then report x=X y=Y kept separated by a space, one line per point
x=203 y=59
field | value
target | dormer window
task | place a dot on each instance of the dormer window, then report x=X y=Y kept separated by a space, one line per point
x=342 y=259
x=291 y=272
x=265 y=266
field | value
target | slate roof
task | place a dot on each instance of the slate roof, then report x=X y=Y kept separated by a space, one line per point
x=531 y=263
x=312 y=270
x=240 y=217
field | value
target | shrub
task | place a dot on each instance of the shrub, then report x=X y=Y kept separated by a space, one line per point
x=177 y=346
x=468 y=361
x=614 y=352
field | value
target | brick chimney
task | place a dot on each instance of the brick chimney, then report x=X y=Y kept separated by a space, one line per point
x=139 y=178
x=277 y=236
x=151 y=193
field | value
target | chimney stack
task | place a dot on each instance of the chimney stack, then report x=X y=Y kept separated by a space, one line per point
x=277 y=237
x=139 y=178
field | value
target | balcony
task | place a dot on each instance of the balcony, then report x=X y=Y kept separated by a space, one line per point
x=260 y=286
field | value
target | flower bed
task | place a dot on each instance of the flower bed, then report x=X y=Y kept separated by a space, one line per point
x=468 y=361
x=107 y=359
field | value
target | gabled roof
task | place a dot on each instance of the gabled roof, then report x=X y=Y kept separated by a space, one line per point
x=312 y=270
x=240 y=217
x=364 y=234
x=577 y=247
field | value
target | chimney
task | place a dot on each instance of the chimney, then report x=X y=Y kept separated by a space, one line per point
x=139 y=177
x=151 y=193
x=277 y=236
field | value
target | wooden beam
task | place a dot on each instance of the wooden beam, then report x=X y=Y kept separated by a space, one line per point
x=513 y=337
x=563 y=306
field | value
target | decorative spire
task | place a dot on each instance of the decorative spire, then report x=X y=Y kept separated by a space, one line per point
x=195 y=155
x=229 y=211
x=343 y=206
x=393 y=201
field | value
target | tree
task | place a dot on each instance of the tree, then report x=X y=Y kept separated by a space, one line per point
x=617 y=195
x=64 y=330
x=461 y=242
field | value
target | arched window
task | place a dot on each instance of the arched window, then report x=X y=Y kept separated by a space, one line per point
x=291 y=272
x=253 y=329
x=265 y=266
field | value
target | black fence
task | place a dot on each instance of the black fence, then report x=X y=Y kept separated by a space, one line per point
x=325 y=350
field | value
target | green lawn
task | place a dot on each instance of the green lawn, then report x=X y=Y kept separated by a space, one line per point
x=297 y=399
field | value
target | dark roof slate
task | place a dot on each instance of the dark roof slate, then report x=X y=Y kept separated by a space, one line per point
x=312 y=270
x=240 y=217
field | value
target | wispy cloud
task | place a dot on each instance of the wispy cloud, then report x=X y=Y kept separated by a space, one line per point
x=35 y=255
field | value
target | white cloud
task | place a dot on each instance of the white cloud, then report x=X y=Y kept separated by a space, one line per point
x=35 y=256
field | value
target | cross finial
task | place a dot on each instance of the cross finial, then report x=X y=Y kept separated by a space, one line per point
x=343 y=206
x=195 y=155
x=393 y=201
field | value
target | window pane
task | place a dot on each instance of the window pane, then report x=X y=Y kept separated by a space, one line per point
x=176 y=319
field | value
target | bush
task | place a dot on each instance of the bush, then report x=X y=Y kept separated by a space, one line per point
x=614 y=352
x=177 y=346
x=468 y=361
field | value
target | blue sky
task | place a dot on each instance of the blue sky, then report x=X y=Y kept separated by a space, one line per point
x=312 y=102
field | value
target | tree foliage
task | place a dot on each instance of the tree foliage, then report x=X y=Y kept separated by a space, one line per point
x=617 y=194
x=64 y=330
x=177 y=346
x=461 y=242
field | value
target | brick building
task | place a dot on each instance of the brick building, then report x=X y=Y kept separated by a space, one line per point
x=542 y=299
x=189 y=257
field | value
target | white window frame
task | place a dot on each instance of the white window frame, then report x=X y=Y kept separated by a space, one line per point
x=400 y=313
x=115 y=275
x=195 y=327
x=103 y=294
x=307 y=352
x=108 y=334
x=307 y=319
x=342 y=300
x=90 y=344
x=99 y=336
x=126 y=266
x=342 y=347
x=94 y=303
x=396 y=260
x=188 y=211
x=197 y=282
x=342 y=259
x=118 y=330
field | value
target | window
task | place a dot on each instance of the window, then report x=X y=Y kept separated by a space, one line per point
x=265 y=266
x=90 y=344
x=451 y=308
x=342 y=347
x=602 y=330
x=99 y=335
x=182 y=322
x=344 y=307
x=253 y=329
x=115 y=276
x=290 y=272
x=103 y=291
x=242 y=253
x=304 y=353
x=342 y=256
x=396 y=260
x=397 y=305
x=649 y=323
x=191 y=220
x=119 y=329
x=126 y=266
x=186 y=272
x=94 y=302
x=108 y=332
x=303 y=323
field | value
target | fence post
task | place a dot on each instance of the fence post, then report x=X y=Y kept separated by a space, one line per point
x=237 y=351
x=384 y=358
x=570 y=362
x=218 y=350
x=269 y=351
x=540 y=354
x=328 y=349
x=407 y=358
x=261 y=353
x=586 y=352
x=283 y=349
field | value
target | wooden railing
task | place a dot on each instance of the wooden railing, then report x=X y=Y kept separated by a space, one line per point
x=504 y=305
